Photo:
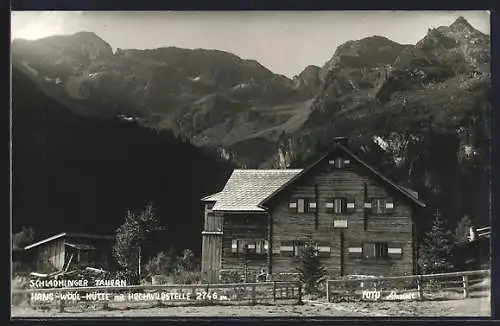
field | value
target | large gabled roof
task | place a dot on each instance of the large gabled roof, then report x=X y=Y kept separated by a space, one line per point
x=410 y=194
x=245 y=189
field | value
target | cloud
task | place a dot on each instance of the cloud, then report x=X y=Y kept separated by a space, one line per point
x=35 y=25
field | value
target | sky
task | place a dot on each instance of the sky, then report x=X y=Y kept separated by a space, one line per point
x=283 y=41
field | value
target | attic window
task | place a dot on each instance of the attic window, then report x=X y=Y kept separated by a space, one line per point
x=339 y=162
x=382 y=206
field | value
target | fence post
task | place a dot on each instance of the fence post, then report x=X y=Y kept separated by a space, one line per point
x=193 y=293
x=465 y=282
x=61 y=305
x=327 y=291
x=300 y=293
x=419 y=288
x=106 y=305
x=274 y=291
x=253 y=294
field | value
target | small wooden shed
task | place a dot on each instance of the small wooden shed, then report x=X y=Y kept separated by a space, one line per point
x=69 y=251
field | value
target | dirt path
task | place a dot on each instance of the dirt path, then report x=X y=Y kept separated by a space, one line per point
x=477 y=307
x=468 y=307
x=307 y=310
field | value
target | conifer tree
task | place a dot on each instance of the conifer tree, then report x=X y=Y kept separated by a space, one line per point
x=437 y=248
x=311 y=272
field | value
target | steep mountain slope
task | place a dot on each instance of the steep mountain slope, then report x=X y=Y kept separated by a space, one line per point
x=74 y=173
x=211 y=97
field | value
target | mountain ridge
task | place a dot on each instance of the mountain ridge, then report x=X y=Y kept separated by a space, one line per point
x=216 y=99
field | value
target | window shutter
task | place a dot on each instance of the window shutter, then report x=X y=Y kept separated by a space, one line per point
x=350 y=205
x=276 y=248
x=259 y=247
x=293 y=205
x=234 y=246
x=378 y=206
x=339 y=205
x=389 y=206
x=329 y=206
x=355 y=251
x=368 y=250
x=312 y=206
x=286 y=248
x=252 y=247
x=324 y=249
x=301 y=205
x=395 y=252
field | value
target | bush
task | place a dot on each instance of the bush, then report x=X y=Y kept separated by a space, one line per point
x=23 y=237
x=286 y=277
x=18 y=283
x=231 y=277
x=162 y=264
x=188 y=277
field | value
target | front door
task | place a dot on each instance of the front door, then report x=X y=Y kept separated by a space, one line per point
x=211 y=257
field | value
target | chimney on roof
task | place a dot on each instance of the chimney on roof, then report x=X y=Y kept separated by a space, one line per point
x=344 y=141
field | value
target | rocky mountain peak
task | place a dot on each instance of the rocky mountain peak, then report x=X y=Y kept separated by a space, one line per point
x=461 y=24
x=311 y=69
x=460 y=39
x=69 y=50
x=309 y=78
x=367 y=52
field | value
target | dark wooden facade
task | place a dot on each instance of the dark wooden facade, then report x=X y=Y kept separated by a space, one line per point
x=357 y=185
x=354 y=239
x=71 y=251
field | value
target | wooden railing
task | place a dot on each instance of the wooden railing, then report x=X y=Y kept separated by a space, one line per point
x=158 y=295
x=418 y=287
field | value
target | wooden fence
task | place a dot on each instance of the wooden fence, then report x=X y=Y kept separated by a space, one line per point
x=415 y=287
x=138 y=296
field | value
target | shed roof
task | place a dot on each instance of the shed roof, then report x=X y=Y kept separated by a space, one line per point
x=245 y=189
x=66 y=234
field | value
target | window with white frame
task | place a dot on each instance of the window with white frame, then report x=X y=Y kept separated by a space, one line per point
x=382 y=206
x=249 y=246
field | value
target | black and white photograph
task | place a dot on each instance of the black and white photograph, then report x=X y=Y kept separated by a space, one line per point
x=250 y=164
